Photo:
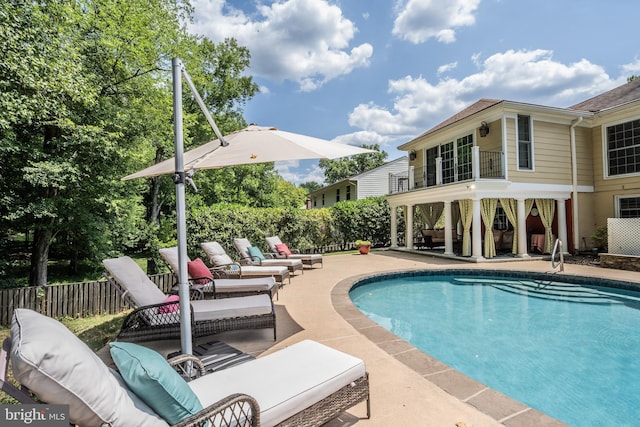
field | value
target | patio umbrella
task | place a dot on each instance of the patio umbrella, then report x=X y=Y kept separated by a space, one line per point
x=254 y=144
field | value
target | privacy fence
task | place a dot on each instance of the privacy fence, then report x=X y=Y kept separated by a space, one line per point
x=71 y=299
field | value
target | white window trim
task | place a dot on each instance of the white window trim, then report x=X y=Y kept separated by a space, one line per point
x=617 y=202
x=605 y=150
x=533 y=163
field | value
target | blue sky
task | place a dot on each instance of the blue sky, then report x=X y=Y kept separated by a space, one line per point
x=384 y=71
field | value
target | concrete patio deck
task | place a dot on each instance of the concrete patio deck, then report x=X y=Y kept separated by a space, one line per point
x=407 y=386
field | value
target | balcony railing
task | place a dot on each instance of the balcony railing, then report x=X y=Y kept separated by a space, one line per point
x=484 y=165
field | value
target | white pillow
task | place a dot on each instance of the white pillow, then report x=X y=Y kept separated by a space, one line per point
x=217 y=255
x=60 y=369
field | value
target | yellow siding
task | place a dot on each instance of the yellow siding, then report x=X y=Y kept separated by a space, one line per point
x=493 y=141
x=584 y=156
x=551 y=154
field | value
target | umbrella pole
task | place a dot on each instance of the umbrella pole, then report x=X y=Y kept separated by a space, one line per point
x=181 y=211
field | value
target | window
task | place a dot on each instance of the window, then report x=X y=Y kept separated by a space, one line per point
x=464 y=147
x=525 y=157
x=629 y=207
x=500 y=221
x=315 y=202
x=322 y=199
x=430 y=175
x=348 y=192
x=623 y=148
x=337 y=194
x=448 y=163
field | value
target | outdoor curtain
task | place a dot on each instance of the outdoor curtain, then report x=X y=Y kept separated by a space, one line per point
x=510 y=209
x=431 y=213
x=466 y=216
x=547 y=209
x=488 y=212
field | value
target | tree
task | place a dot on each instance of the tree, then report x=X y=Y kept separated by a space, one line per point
x=311 y=186
x=339 y=169
x=78 y=82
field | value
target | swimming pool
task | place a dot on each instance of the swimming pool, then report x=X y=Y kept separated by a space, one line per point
x=571 y=350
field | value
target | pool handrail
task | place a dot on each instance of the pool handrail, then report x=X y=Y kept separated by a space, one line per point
x=557 y=245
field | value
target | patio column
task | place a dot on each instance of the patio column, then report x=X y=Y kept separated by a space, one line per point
x=409 y=230
x=522 y=229
x=448 y=227
x=476 y=231
x=394 y=226
x=561 y=210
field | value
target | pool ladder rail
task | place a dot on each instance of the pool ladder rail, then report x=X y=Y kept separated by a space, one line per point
x=557 y=246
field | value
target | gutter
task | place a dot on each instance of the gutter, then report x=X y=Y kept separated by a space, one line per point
x=574 y=184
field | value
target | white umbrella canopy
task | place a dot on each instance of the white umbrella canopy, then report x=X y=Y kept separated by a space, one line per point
x=254 y=144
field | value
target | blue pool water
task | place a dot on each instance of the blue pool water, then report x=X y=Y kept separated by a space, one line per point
x=571 y=351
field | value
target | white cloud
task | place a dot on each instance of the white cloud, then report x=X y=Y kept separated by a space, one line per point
x=300 y=172
x=305 y=41
x=631 y=69
x=420 y=20
x=447 y=67
x=525 y=76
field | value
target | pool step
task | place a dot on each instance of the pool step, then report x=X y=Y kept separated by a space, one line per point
x=552 y=290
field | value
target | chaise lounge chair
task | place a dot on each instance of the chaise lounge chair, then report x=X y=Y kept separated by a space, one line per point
x=252 y=255
x=220 y=260
x=157 y=317
x=281 y=250
x=215 y=282
x=306 y=384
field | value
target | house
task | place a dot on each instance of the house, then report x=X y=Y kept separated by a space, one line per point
x=374 y=182
x=537 y=172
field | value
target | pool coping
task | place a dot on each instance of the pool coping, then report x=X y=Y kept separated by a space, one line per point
x=500 y=407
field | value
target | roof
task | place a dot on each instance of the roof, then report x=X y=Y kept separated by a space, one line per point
x=480 y=105
x=618 y=96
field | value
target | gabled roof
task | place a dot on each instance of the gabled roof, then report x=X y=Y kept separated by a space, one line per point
x=480 y=105
x=618 y=96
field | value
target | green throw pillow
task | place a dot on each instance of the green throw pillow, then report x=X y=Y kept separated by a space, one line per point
x=153 y=380
x=255 y=253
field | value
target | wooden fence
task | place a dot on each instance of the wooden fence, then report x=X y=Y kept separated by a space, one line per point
x=71 y=299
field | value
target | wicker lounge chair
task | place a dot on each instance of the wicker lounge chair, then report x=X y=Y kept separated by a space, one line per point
x=219 y=259
x=281 y=250
x=155 y=317
x=251 y=255
x=216 y=282
x=315 y=383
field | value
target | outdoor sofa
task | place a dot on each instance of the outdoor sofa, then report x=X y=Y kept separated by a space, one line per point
x=305 y=384
x=252 y=255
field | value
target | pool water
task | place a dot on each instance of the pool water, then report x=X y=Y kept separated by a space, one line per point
x=570 y=351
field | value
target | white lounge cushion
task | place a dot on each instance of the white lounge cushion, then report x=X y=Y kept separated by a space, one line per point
x=284 y=382
x=275 y=240
x=217 y=255
x=60 y=369
x=125 y=271
x=231 y=307
x=245 y=285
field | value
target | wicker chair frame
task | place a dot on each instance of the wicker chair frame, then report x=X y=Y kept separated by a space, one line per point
x=147 y=324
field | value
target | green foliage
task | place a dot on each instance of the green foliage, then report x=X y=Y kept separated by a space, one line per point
x=600 y=237
x=339 y=169
x=310 y=186
x=362 y=219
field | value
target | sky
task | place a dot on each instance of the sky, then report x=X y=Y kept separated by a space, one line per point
x=384 y=71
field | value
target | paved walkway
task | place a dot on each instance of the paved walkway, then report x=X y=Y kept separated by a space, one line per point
x=407 y=387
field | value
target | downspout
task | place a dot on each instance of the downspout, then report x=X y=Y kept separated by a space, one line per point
x=574 y=185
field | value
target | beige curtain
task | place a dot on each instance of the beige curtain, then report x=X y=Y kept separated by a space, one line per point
x=547 y=209
x=510 y=209
x=431 y=213
x=488 y=212
x=466 y=216
x=455 y=215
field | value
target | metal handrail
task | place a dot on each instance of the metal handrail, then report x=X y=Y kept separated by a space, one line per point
x=553 y=255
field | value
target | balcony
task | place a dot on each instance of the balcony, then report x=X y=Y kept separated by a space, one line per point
x=483 y=165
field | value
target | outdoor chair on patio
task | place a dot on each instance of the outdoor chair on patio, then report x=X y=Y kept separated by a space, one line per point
x=157 y=317
x=220 y=260
x=216 y=283
x=305 y=384
x=252 y=255
x=281 y=250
